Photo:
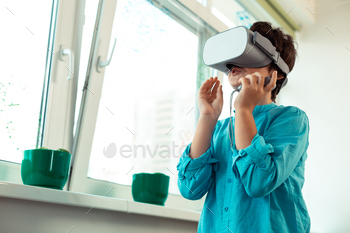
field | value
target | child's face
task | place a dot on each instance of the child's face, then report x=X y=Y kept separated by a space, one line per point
x=240 y=72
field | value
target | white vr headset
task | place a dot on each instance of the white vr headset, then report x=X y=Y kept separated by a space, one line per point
x=241 y=47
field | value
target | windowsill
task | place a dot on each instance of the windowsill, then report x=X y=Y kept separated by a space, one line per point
x=33 y=193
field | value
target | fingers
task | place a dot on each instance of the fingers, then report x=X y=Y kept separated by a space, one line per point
x=274 y=78
x=213 y=93
x=219 y=92
x=256 y=80
x=260 y=80
x=251 y=80
x=211 y=83
x=207 y=85
x=273 y=81
x=244 y=81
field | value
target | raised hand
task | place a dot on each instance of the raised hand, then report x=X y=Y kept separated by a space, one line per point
x=210 y=102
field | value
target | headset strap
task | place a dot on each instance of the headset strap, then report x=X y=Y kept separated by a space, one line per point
x=267 y=47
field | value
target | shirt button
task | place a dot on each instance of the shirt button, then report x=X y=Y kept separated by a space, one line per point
x=262 y=165
x=226 y=208
x=229 y=180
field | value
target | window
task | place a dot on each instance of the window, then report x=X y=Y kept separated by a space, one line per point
x=149 y=90
x=144 y=100
x=24 y=57
x=203 y=2
x=37 y=99
x=231 y=13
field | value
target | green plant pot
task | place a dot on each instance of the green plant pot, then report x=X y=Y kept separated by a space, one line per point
x=45 y=168
x=150 y=188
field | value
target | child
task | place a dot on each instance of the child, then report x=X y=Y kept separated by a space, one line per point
x=252 y=174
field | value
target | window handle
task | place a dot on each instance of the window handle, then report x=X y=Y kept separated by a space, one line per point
x=70 y=54
x=105 y=63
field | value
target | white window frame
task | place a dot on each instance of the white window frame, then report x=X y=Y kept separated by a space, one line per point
x=79 y=182
x=58 y=132
x=60 y=96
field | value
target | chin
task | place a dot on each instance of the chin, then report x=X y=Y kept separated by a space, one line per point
x=235 y=85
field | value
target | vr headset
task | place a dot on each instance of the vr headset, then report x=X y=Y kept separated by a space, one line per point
x=241 y=47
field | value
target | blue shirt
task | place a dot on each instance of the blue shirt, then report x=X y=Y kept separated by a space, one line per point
x=256 y=189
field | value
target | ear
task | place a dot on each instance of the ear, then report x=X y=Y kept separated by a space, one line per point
x=279 y=75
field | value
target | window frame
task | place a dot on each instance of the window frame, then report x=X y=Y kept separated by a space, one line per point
x=62 y=92
x=79 y=182
x=51 y=134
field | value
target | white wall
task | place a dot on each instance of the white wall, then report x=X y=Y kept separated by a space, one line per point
x=29 y=216
x=319 y=85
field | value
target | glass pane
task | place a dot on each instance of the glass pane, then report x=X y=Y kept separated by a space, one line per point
x=25 y=28
x=203 y=2
x=231 y=13
x=145 y=117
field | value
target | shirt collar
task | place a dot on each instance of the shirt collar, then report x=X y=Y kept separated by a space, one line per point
x=262 y=108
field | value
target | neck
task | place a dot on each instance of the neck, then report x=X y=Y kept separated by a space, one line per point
x=266 y=100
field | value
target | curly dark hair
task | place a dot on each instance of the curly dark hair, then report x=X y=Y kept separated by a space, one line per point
x=284 y=44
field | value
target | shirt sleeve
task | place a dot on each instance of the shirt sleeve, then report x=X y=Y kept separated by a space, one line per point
x=268 y=161
x=196 y=176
